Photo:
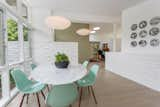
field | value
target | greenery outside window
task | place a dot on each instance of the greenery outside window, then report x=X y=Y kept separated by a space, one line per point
x=12 y=30
x=13 y=41
x=25 y=33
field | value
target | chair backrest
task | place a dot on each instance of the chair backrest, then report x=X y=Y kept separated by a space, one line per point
x=20 y=79
x=62 y=95
x=85 y=63
x=93 y=73
x=33 y=66
x=94 y=69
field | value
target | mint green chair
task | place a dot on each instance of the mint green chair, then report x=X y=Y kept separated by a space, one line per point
x=88 y=81
x=85 y=64
x=62 y=95
x=33 y=66
x=26 y=86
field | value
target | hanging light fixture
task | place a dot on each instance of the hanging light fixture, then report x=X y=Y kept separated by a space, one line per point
x=83 y=31
x=58 y=22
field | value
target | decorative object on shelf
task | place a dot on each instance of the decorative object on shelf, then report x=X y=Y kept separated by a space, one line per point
x=134 y=27
x=154 y=42
x=62 y=60
x=155 y=21
x=154 y=31
x=143 y=33
x=83 y=32
x=142 y=43
x=133 y=43
x=133 y=35
x=58 y=22
x=142 y=24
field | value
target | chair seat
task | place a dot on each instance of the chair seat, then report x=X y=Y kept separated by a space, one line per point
x=86 y=81
x=33 y=88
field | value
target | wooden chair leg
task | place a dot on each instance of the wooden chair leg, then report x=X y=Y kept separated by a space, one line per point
x=43 y=94
x=93 y=95
x=39 y=105
x=22 y=100
x=89 y=90
x=80 y=96
x=48 y=88
x=27 y=98
x=78 y=89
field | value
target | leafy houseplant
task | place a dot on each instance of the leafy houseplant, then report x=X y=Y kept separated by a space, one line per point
x=62 y=60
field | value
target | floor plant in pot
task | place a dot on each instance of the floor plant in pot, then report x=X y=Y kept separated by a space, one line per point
x=61 y=60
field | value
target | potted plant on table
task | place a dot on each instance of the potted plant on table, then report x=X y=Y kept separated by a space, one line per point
x=61 y=60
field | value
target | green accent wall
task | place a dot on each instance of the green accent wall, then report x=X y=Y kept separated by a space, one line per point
x=70 y=35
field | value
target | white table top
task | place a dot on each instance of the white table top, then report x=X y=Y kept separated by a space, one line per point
x=49 y=74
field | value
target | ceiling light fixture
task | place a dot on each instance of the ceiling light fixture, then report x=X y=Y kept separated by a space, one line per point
x=58 y=22
x=83 y=32
x=93 y=31
x=96 y=28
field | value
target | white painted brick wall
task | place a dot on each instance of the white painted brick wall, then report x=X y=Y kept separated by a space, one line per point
x=14 y=51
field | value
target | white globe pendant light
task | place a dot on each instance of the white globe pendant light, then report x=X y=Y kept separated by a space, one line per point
x=58 y=22
x=83 y=32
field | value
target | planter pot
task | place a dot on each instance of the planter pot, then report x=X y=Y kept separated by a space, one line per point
x=61 y=64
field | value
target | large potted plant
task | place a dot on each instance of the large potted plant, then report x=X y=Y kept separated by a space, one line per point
x=61 y=60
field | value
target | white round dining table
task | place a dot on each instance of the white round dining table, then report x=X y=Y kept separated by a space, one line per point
x=49 y=74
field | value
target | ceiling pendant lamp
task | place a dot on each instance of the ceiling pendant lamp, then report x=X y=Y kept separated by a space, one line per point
x=58 y=22
x=83 y=32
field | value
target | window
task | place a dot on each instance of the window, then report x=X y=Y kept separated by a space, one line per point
x=2 y=47
x=13 y=41
x=26 y=33
x=12 y=83
x=16 y=40
x=12 y=4
x=24 y=11
x=0 y=87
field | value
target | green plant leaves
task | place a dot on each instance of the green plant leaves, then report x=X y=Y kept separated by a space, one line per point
x=61 y=57
x=12 y=30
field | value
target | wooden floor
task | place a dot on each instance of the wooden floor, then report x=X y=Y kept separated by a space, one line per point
x=111 y=91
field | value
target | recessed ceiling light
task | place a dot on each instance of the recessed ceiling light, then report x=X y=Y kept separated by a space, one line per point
x=93 y=31
x=96 y=28
x=83 y=31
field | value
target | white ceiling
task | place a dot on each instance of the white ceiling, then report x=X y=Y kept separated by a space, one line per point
x=105 y=8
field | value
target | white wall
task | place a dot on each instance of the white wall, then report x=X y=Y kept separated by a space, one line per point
x=141 y=68
x=43 y=46
x=140 y=64
x=134 y=15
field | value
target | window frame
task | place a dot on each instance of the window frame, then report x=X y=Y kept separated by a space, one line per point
x=8 y=94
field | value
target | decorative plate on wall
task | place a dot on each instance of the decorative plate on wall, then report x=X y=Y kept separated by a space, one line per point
x=154 y=31
x=142 y=43
x=154 y=42
x=155 y=20
x=143 y=33
x=142 y=24
x=133 y=36
x=133 y=43
x=134 y=27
